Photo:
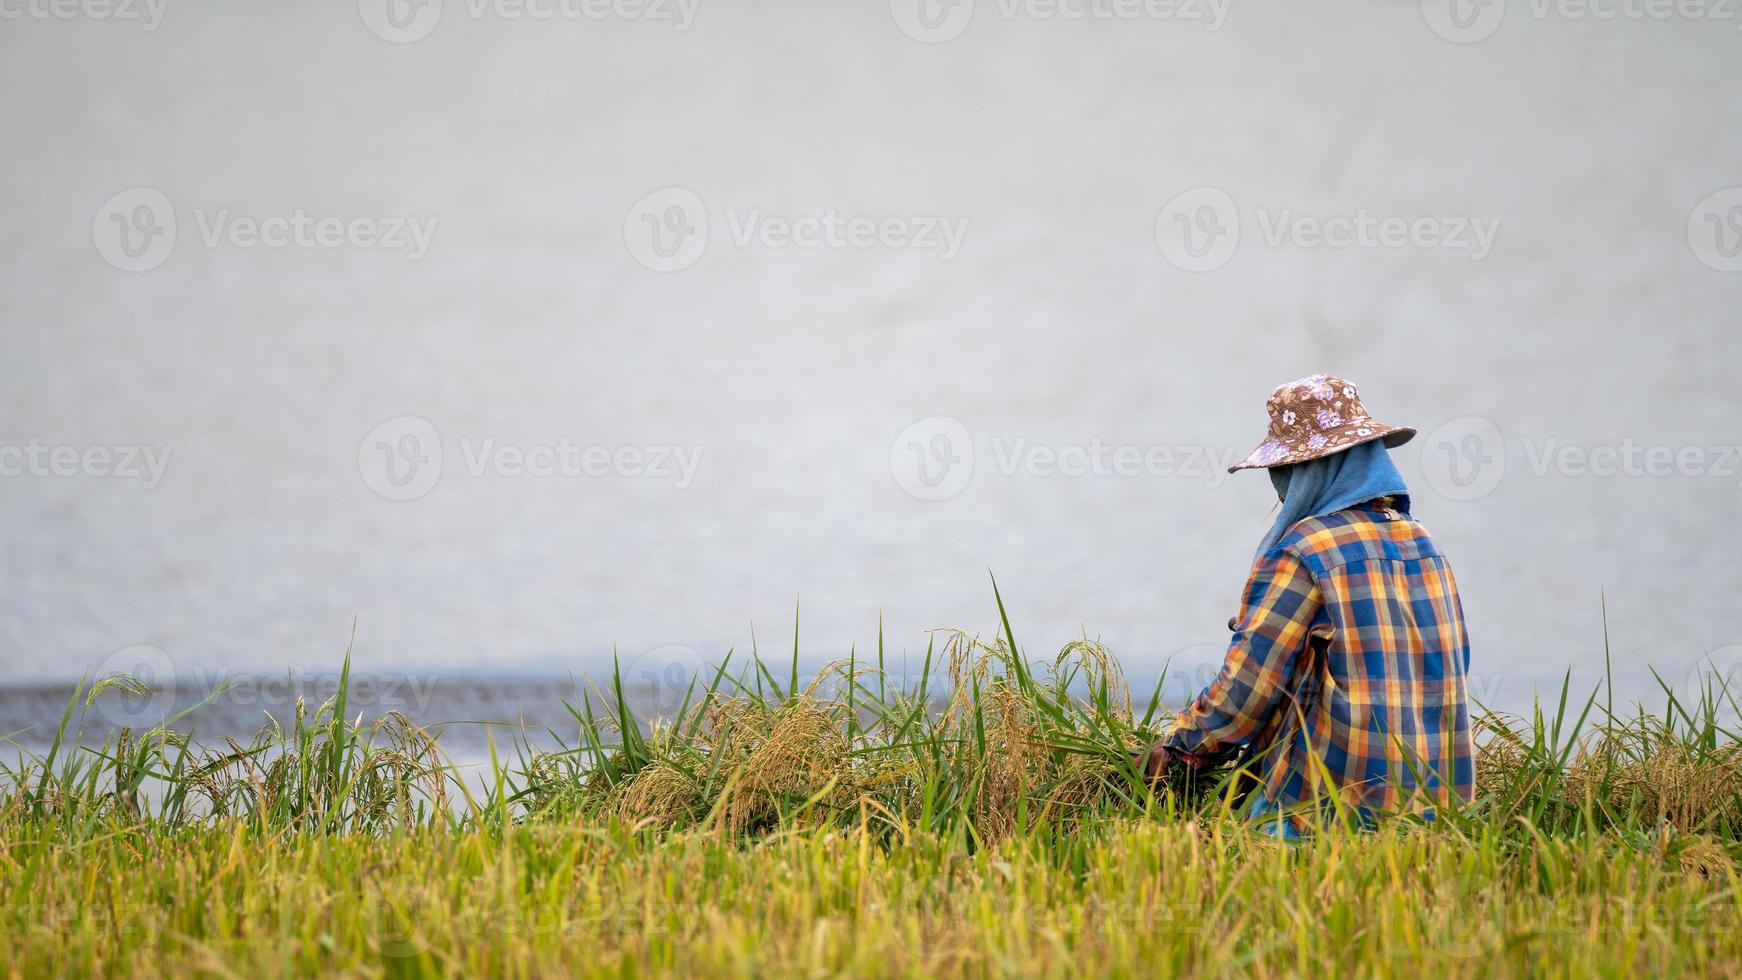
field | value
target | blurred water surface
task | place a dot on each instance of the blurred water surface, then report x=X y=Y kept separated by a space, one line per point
x=795 y=376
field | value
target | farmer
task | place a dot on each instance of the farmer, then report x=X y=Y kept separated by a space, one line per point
x=1345 y=675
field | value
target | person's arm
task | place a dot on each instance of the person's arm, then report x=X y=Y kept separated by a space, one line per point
x=1276 y=614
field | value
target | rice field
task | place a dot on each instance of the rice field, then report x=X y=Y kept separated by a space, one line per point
x=984 y=821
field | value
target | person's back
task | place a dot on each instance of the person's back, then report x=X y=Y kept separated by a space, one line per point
x=1385 y=707
x=1346 y=674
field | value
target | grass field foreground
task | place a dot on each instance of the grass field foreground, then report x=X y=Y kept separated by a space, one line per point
x=984 y=821
x=1140 y=898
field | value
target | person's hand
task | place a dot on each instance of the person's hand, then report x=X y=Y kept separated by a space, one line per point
x=1154 y=763
x=1158 y=760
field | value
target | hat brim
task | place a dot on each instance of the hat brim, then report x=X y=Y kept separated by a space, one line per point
x=1258 y=459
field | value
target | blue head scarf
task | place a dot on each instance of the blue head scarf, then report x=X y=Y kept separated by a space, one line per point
x=1329 y=484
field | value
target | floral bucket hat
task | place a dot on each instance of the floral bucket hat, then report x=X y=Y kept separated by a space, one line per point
x=1316 y=417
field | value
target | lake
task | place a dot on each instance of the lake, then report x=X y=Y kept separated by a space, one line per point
x=515 y=342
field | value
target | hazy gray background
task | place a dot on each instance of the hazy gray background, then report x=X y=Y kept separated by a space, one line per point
x=1592 y=321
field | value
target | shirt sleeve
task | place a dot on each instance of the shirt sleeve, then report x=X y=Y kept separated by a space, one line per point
x=1458 y=608
x=1276 y=614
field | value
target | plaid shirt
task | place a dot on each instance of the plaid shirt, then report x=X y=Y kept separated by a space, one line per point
x=1348 y=661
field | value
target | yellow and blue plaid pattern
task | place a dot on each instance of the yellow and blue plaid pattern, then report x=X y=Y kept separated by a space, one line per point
x=1348 y=661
